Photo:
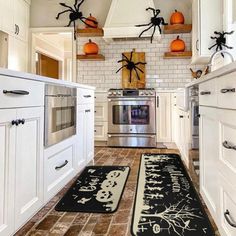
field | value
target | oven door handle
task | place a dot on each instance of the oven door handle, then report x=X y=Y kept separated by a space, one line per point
x=130 y=99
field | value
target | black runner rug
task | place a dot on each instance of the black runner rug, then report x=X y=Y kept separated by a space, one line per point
x=97 y=190
x=166 y=202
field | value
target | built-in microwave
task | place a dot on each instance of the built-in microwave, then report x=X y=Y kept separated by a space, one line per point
x=60 y=113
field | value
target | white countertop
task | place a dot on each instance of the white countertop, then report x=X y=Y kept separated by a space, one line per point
x=217 y=73
x=28 y=76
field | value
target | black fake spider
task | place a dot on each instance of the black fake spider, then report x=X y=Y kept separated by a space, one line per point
x=75 y=14
x=220 y=41
x=155 y=22
x=131 y=66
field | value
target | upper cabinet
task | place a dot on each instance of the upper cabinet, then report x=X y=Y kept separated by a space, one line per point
x=207 y=18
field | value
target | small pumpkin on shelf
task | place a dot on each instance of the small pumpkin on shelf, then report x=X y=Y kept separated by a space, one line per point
x=177 y=45
x=91 y=22
x=177 y=18
x=91 y=48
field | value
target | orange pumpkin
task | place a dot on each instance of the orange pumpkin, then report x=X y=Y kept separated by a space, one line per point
x=91 y=48
x=177 y=18
x=91 y=23
x=177 y=45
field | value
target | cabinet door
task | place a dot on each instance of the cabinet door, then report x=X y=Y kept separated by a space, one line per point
x=163 y=117
x=81 y=138
x=29 y=164
x=89 y=132
x=18 y=54
x=21 y=18
x=7 y=16
x=209 y=152
x=195 y=29
x=7 y=169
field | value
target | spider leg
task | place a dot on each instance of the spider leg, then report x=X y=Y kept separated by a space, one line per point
x=85 y=22
x=227 y=46
x=64 y=5
x=123 y=60
x=158 y=11
x=219 y=33
x=154 y=30
x=152 y=9
x=80 y=4
x=228 y=33
x=121 y=68
x=144 y=25
x=131 y=56
x=127 y=59
x=214 y=37
x=140 y=63
x=95 y=22
x=75 y=5
x=139 y=69
x=130 y=76
x=74 y=30
x=146 y=30
x=137 y=74
x=212 y=46
x=163 y=21
x=69 y=23
x=58 y=15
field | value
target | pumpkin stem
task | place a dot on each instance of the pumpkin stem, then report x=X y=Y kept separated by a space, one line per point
x=90 y=14
x=176 y=10
x=178 y=37
x=90 y=40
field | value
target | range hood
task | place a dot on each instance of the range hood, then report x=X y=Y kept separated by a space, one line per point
x=124 y=15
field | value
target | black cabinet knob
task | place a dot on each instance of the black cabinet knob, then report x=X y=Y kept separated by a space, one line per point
x=21 y=121
x=15 y=122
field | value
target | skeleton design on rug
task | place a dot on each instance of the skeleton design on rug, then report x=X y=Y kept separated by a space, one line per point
x=75 y=14
x=155 y=22
x=164 y=203
x=220 y=41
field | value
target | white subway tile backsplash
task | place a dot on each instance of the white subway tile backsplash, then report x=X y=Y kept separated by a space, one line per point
x=161 y=73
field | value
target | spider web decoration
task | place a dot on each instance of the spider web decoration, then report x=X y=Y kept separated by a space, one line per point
x=75 y=14
x=155 y=22
x=130 y=65
x=220 y=41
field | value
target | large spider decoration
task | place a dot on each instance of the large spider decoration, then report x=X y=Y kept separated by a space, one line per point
x=131 y=66
x=155 y=22
x=75 y=14
x=220 y=41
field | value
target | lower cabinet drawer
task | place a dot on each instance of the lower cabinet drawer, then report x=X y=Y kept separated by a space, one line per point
x=101 y=111
x=226 y=89
x=207 y=93
x=85 y=96
x=59 y=170
x=100 y=131
x=227 y=149
x=227 y=214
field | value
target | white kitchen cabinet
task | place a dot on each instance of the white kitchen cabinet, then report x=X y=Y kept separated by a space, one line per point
x=29 y=164
x=18 y=54
x=85 y=133
x=207 y=18
x=163 y=117
x=209 y=152
x=22 y=174
x=6 y=18
x=7 y=171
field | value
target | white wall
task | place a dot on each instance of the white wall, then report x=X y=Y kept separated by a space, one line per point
x=161 y=73
x=43 y=12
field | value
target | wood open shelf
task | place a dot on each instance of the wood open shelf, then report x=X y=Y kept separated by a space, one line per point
x=90 y=32
x=97 y=57
x=177 y=29
x=184 y=55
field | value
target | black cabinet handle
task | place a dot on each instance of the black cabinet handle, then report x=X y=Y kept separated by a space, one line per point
x=15 y=122
x=205 y=93
x=181 y=117
x=21 y=121
x=197 y=45
x=87 y=110
x=63 y=165
x=228 y=218
x=18 y=29
x=15 y=28
x=95 y=130
x=87 y=96
x=230 y=90
x=228 y=146
x=157 y=102
x=17 y=92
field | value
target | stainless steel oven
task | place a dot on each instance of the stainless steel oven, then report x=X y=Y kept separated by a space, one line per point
x=60 y=113
x=132 y=118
